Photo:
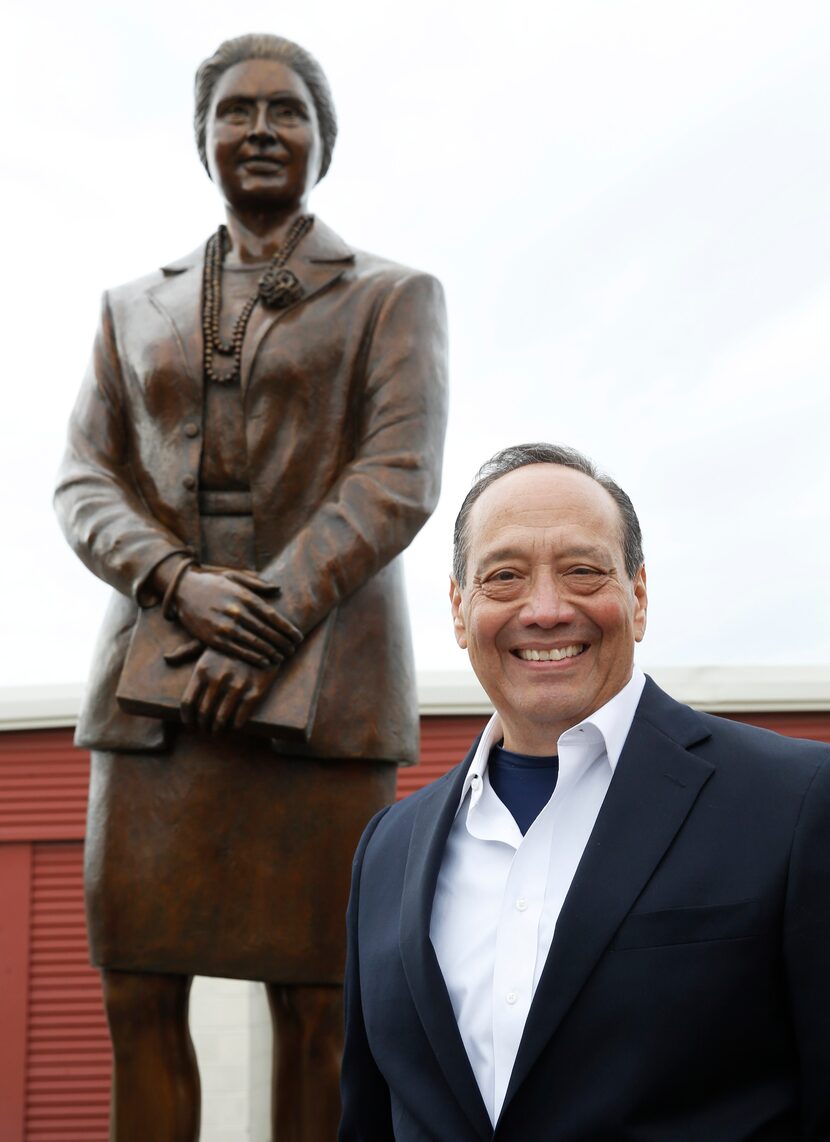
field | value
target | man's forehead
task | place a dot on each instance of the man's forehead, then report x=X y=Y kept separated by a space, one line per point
x=556 y=542
x=544 y=511
x=541 y=495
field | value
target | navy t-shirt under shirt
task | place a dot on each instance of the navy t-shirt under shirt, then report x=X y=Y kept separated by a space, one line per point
x=522 y=783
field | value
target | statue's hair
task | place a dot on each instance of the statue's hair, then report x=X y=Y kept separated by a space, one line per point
x=281 y=51
x=519 y=456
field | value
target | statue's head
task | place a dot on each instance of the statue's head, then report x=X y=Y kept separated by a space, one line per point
x=274 y=48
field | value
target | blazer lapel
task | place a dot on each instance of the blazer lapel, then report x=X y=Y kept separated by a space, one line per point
x=321 y=258
x=653 y=789
x=178 y=298
x=434 y=819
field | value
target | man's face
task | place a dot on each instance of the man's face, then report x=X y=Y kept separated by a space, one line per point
x=263 y=141
x=548 y=615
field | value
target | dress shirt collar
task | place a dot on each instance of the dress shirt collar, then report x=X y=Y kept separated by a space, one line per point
x=609 y=727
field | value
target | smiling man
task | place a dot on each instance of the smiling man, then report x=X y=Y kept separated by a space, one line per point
x=612 y=920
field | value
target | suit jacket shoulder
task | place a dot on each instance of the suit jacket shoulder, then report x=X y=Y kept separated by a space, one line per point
x=746 y=741
x=723 y=741
x=124 y=292
x=368 y=265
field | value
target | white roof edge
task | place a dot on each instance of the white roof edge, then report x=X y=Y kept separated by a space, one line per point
x=748 y=689
x=42 y=707
x=718 y=689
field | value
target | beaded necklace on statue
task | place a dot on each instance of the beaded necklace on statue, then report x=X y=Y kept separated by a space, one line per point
x=276 y=289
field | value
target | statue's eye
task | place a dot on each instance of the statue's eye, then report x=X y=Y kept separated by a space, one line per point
x=236 y=112
x=287 y=112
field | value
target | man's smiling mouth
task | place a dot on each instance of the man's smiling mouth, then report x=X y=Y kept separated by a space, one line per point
x=554 y=654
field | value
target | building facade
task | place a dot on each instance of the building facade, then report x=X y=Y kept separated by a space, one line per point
x=54 y=1046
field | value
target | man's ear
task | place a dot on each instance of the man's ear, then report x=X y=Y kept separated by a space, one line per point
x=640 y=604
x=457 y=614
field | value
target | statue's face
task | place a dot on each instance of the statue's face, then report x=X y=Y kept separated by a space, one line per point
x=263 y=139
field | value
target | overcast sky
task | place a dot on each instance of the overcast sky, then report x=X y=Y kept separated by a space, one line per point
x=627 y=203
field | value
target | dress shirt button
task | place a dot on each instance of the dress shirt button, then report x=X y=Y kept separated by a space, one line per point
x=511 y=997
x=521 y=904
x=191 y=428
x=476 y=781
x=189 y=482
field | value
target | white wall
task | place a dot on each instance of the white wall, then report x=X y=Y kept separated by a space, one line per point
x=231 y=1029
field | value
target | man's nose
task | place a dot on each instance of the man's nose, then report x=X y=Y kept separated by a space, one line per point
x=546 y=604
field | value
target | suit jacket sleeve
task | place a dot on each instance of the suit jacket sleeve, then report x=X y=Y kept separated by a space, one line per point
x=807 y=954
x=105 y=520
x=388 y=490
x=367 y=1115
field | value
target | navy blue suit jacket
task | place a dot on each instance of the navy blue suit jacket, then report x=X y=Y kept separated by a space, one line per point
x=686 y=996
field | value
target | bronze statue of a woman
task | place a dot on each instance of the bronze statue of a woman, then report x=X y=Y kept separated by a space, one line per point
x=257 y=439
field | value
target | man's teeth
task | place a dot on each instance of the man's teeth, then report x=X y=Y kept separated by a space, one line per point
x=553 y=655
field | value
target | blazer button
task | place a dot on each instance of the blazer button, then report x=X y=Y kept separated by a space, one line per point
x=189 y=482
x=191 y=428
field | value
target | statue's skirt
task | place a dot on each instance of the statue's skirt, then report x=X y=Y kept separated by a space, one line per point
x=221 y=857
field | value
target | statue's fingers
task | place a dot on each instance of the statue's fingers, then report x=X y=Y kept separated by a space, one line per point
x=240 y=645
x=187 y=652
x=246 y=707
x=212 y=695
x=228 y=706
x=190 y=699
x=266 y=639
x=271 y=619
x=254 y=583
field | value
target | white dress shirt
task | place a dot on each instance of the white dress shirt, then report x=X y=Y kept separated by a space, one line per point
x=499 y=893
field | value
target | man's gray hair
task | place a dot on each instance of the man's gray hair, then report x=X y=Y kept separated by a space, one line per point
x=279 y=50
x=521 y=455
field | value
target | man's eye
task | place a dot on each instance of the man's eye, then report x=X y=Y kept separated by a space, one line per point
x=286 y=113
x=501 y=583
x=587 y=578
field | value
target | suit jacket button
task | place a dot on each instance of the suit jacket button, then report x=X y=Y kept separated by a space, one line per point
x=191 y=428
x=189 y=482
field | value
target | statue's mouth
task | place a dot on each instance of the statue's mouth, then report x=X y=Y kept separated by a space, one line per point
x=265 y=161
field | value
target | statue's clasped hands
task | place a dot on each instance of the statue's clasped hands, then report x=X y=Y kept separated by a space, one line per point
x=225 y=609
x=245 y=641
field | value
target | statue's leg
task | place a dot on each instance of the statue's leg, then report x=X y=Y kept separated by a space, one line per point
x=155 y=1087
x=308 y=1047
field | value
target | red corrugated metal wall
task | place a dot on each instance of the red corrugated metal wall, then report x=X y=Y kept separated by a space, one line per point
x=56 y=1057
x=54 y=1047
x=68 y=1062
x=444 y=742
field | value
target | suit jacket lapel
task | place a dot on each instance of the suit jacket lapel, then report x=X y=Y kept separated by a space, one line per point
x=653 y=789
x=178 y=298
x=320 y=259
x=434 y=819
